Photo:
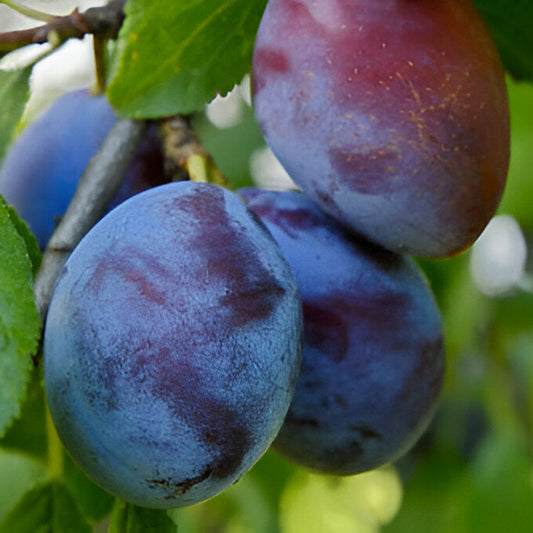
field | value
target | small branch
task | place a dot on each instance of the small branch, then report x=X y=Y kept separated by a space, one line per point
x=96 y=189
x=28 y=11
x=185 y=156
x=104 y=21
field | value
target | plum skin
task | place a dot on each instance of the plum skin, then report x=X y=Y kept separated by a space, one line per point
x=373 y=355
x=392 y=115
x=172 y=345
x=44 y=165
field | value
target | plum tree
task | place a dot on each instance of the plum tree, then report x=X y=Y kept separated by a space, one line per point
x=43 y=167
x=172 y=345
x=392 y=115
x=373 y=356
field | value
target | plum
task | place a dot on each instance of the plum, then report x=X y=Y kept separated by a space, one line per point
x=43 y=166
x=392 y=115
x=373 y=356
x=172 y=345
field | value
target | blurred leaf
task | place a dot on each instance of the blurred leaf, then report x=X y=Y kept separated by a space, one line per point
x=46 y=508
x=27 y=433
x=128 y=518
x=18 y=474
x=322 y=504
x=510 y=22
x=19 y=319
x=14 y=93
x=94 y=502
x=519 y=190
x=174 y=57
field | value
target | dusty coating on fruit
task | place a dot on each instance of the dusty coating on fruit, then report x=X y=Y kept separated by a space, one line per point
x=392 y=115
x=172 y=346
x=373 y=356
x=42 y=169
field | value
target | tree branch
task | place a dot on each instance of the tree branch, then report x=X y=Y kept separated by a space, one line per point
x=96 y=189
x=104 y=21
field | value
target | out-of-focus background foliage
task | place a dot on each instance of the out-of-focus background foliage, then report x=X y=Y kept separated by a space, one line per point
x=473 y=470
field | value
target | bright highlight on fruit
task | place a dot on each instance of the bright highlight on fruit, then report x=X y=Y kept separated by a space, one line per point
x=392 y=115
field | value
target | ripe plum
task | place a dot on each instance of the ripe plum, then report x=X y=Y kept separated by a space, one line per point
x=393 y=115
x=373 y=357
x=43 y=166
x=172 y=345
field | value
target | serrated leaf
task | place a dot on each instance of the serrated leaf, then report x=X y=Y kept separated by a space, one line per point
x=32 y=245
x=14 y=93
x=19 y=320
x=174 y=57
x=128 y=518
x=510 y=22
x=46 y=508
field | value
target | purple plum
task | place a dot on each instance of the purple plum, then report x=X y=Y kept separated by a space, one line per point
x=172 y=345
x=373 y=356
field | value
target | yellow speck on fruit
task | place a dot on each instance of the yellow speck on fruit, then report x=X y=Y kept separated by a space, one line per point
x=133 y=36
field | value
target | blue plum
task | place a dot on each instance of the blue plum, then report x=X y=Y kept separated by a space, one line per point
x=43 y=166
x=373 y=356
x=172 y=345
x=392 y=115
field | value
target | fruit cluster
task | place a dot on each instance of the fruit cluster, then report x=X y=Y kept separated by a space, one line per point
x=193 y=327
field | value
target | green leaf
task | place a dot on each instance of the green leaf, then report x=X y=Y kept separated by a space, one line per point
x=32 y=245
x=128 y=518
x=14 y=93
x=94 y=502
x=519 y=189
x=18 y=474
x=510 y=22
x=27 y=434
x=174 y=57
x=19 y=320
x=48 y=508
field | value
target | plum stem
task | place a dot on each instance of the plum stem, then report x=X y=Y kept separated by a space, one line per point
x=185 y=155
x=97 y=187
x=99 y=62
x=55 y=448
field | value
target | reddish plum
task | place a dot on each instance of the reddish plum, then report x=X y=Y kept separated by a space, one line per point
x=393 y=115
